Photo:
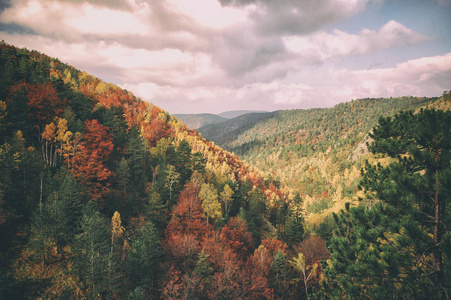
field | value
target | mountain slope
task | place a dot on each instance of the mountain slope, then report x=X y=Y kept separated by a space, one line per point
x=231 y=129
x=195 y=121
x=316 y=152
x=103 y=195
x=236 y=113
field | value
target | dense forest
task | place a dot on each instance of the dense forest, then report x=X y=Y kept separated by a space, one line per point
x=105 y=196
x=316 y=152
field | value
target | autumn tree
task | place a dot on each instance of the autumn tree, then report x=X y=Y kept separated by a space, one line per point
x=89 y=163
x=226 y=198
x=188 y=214
x=257 y=270
x=236 y=235
x=210 y=203
x=307 y=272
x=43 y=101
x=273 y=245
x=172 y=178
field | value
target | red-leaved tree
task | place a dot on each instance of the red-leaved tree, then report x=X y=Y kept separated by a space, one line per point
x=236 y=235
x=89 y=162
x=187 y=216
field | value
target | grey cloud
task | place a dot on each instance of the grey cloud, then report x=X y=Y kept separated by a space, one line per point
x=240 y=52
x=292 y=17
x=113 y=4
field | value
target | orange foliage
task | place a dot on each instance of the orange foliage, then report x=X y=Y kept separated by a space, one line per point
x=273 y=244
x=187 y=216
x=182 y=250
x=174 y=287
x=43 y=101
x=236 y=235
x=156 y=128
x=257 y=268
x=89 y=163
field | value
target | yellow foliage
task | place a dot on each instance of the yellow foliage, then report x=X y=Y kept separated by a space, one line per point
x=116 y=225
x=19 y=136
x=3 y=112
x=210 y=203
x=49 y=132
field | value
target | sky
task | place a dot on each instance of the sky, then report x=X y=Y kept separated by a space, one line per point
x=211 y=56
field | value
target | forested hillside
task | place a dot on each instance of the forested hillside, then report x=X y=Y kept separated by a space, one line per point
x=195 y=121
x=317 y=152
x=103 y=195
x=227 y=131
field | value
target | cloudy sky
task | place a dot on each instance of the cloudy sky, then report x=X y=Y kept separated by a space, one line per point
x=217 y=55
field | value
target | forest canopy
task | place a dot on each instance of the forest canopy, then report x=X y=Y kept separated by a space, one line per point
x=105 y=196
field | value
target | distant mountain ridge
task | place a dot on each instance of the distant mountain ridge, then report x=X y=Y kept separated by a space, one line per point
x=236 y=113
x=227 y=131
x=195 y=121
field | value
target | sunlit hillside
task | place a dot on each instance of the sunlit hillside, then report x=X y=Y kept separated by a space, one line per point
x=316 y=152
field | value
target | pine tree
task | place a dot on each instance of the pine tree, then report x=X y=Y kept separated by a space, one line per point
x=405 y=237
x=142 y=262
x=92 y=250
x=294 y=229
x=279 y=275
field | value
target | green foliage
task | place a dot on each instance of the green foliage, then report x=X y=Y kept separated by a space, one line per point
x=55 y=220
x=142 y=262
x=210 y=203
x=306 y=149
x=404 y=237
x=203 y=268
x=294 y=229
x=254 y=217
x=55 y=245
x=93 y=252
x=279 y=275
x=138 y=294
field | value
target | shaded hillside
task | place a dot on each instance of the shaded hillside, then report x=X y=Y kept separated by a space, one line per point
x=103 y=195
x=228 y=131
x=194 y=121
x=317 y=152
x=236 y=113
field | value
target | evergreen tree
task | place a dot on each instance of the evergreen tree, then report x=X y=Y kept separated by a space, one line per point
x=92 y=250
x=294 y=229
x=254 y=216
x=55 y=220
x=142 y=262
x=183 y=162
x=405 y=238
x=279 y=275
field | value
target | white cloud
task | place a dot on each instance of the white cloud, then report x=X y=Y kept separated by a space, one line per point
x=199 y=55
x=294 y=16
x=210 y=14
x=325 y=45
x=89 y=19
